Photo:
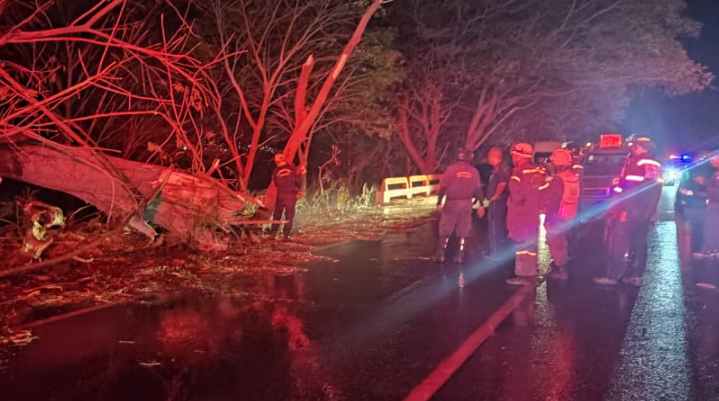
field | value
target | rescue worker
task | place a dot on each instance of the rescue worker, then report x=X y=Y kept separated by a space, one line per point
x=692 y=186
x=523 y=207
x=460 y=183
x=575 y=232
x=288 y=180
x=710 y=247
x=640 y=190
x=577 y=156
x=497 y=201
x=561 y=199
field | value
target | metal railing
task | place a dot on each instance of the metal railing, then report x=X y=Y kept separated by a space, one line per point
x=407 y=187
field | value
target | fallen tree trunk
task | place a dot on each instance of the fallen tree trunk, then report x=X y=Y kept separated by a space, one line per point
x=191 y=206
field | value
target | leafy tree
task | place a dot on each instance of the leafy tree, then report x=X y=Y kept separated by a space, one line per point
x=276 y=57
x=536 y=67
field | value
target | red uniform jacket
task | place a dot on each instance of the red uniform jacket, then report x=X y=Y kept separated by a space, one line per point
x=641 y=189
x=524 y=202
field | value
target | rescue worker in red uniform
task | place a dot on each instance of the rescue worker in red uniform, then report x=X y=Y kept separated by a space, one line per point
x=460 y=183
x=523 y=207
x=632 y=217
x=288 y=181
x=497 y=202
x=561 y=199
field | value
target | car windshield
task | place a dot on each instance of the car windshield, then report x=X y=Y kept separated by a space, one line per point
x=604 y=165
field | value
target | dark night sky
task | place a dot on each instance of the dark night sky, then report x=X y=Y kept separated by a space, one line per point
x=685 y=123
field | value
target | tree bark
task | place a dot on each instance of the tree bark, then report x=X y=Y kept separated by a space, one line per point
x=190 y=206
x=299 y=133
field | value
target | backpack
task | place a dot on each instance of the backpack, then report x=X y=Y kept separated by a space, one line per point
x=569 y=205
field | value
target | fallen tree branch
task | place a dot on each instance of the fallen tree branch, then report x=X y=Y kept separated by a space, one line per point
x=66 y=257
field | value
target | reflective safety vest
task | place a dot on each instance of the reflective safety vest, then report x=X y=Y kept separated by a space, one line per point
x=569 y=205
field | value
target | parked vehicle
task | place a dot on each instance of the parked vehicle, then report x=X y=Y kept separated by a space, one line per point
x=603 y=167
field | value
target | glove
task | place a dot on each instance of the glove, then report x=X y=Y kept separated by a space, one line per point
x=300 y=194
x=480 y=212
x=486 y=202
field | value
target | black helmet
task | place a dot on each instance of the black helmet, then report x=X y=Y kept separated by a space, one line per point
x=464 y=155
x=645 y=143
x=572 y=147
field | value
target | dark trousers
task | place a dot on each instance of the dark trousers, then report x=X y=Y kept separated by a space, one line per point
x=456 y=218
x=525 y=259
x=694 y=217
x=711 y=229
x=497 y=221
x=558 y=244
x=286 y=202
x=628 y=239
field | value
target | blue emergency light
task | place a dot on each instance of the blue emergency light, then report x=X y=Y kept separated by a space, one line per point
x=686 y=158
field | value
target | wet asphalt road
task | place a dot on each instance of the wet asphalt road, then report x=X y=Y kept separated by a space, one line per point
x=375 y=324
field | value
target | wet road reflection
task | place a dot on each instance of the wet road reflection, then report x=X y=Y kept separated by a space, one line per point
x=376 y=323
x=187 y=350
x=654 y=362
x=575 y=341
x=322 y=335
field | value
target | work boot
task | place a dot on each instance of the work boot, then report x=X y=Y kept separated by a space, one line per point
x=459 y=257
x=441 y=248
x=605 y=281
x=273 y=235
x=558 y=273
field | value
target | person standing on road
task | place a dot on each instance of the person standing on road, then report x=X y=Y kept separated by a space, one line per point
x=710 y=247
x=640 y=190
x=497 y=201
x=561 y=198
x=460 y=183
x=576 y=152
x=523 y=207
x=692 y=187
x=288 y=180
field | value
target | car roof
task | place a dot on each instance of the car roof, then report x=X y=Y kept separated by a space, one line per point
x=608 y=151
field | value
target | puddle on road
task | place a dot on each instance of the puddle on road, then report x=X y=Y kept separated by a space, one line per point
x=183 y=350
x=196 y=347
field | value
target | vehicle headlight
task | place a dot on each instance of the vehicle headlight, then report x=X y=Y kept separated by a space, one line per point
x=672 y=174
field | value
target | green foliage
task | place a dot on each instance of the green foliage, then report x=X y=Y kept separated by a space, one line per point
x=364 y=103
x=334 y=203
x=554 y=68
